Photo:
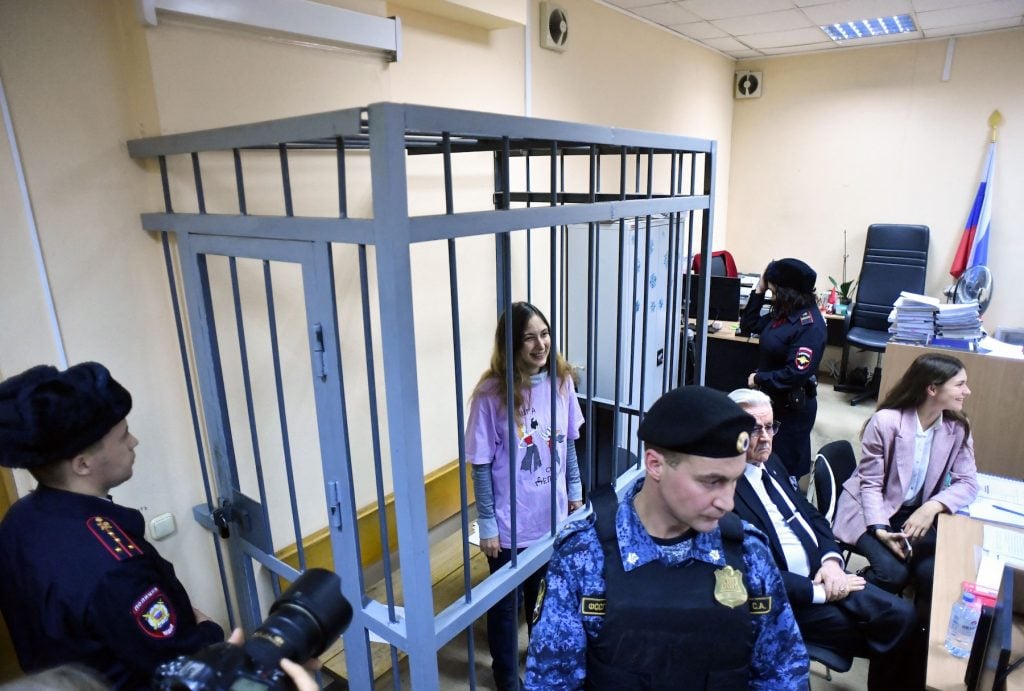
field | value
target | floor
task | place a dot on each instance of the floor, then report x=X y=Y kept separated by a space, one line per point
x=837 y=419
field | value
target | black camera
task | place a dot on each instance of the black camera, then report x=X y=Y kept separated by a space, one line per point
x=303 y=622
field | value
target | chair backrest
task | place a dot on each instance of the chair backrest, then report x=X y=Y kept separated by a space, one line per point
x=722 y=264
x=833 y=466
x=895 y=259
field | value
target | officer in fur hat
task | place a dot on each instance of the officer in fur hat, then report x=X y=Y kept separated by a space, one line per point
x=80 y=582
x=666 y=589
x=793 y=337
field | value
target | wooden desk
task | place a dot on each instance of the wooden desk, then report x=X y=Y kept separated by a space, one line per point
x=955 y=562
x=997 y=388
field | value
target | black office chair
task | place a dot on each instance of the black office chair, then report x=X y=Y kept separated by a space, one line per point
x=895 y=259
x=830 y=659
x=833 y=466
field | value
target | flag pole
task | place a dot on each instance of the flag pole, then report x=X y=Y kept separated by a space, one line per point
x=994 y=121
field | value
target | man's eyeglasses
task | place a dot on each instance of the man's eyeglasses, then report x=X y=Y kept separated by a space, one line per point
x=767 y=430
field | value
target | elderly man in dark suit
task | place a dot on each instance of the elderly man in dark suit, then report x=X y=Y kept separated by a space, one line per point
x=833 y=609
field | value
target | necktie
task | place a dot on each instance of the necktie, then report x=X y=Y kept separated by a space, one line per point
x=805 y=538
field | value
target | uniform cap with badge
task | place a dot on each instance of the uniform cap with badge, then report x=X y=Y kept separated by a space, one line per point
x=698 y=421
x=47 y=415
x=791 y=273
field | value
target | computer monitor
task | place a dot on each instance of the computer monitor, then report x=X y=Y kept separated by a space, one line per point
x=724 y=301
x=990 y=653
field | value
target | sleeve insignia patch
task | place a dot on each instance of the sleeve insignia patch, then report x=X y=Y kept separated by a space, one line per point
x=115 y=540
x=593 y=606
x=806 y=318
x=155 y=615
x=761 y=605
x=540 y=600
x=803 y=358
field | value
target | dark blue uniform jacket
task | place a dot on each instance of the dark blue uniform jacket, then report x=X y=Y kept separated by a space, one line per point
x=81 y=584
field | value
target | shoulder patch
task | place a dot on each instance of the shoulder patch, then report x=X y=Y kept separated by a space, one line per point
x=115 y=540
x=154 y=614
x=593 y=606
x=803 y=358
x=760 y=605
x=806 y=318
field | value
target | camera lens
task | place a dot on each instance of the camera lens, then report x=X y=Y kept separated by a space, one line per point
x=304 y=621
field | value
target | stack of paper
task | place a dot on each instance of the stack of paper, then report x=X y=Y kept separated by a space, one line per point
x=912 y=319
x=960 y=322
x=999 y=500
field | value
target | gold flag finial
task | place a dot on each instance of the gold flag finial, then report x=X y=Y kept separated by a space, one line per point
x=994 y=120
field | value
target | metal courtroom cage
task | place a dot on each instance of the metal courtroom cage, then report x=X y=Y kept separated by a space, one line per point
x=337 y=279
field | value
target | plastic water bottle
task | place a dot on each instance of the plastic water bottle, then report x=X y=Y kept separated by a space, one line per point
x=963 y=622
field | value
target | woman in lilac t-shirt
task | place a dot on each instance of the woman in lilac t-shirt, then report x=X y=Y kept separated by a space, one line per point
x=536 y=442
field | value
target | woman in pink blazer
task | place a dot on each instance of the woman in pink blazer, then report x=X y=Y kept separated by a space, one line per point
x=917 y=461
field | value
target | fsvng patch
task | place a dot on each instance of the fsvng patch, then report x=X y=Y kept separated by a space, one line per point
x=594 y=606
x=760 y=605
x=155 y=615
x=113 y=538
x=803 y=358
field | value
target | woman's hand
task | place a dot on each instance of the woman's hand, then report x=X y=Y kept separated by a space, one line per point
x=922 y=520
x=896 y=542
x=574 y=505
x=762 y=284
x=490 y=546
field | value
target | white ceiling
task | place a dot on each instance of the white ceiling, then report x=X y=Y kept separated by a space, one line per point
x=757 y=28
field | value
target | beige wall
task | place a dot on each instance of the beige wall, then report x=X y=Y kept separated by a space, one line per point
x=846 y=139
x=82 y=78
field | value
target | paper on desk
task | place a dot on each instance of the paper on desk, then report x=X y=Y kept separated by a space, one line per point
x=1008 y=544
x=988 y=510
x=990 y=572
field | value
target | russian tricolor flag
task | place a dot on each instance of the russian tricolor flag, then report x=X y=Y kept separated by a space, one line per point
x=973 y=249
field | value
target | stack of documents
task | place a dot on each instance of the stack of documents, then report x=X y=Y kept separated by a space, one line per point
x=961 y=322
x=1000 y=500
x=912 y=319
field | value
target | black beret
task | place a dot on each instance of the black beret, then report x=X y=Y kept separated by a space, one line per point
x=791 y=273
x=698 y=421
x=47 y=415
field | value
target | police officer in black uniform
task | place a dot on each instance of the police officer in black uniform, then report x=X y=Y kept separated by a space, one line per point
x=793 y=336
x=80 y=583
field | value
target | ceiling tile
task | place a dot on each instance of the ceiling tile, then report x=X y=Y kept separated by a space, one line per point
x=777 y=39
x=1000 y=9
x=726 y=44
x=755 y=23
x=667 y=13
x=928 y=5
x=746 y=54
x=720 y=9
x=791 y=50
x=631 y=4
x=699 y=30
x=961 y=29
x=852 y=10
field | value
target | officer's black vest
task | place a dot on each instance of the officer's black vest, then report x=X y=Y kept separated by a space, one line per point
x=663 y=628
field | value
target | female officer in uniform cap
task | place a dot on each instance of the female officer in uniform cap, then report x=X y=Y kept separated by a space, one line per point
x=80 y=582
x=793 y=340
x=667 y=589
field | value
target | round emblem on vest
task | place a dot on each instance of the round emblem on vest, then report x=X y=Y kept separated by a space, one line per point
x=742 y=442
